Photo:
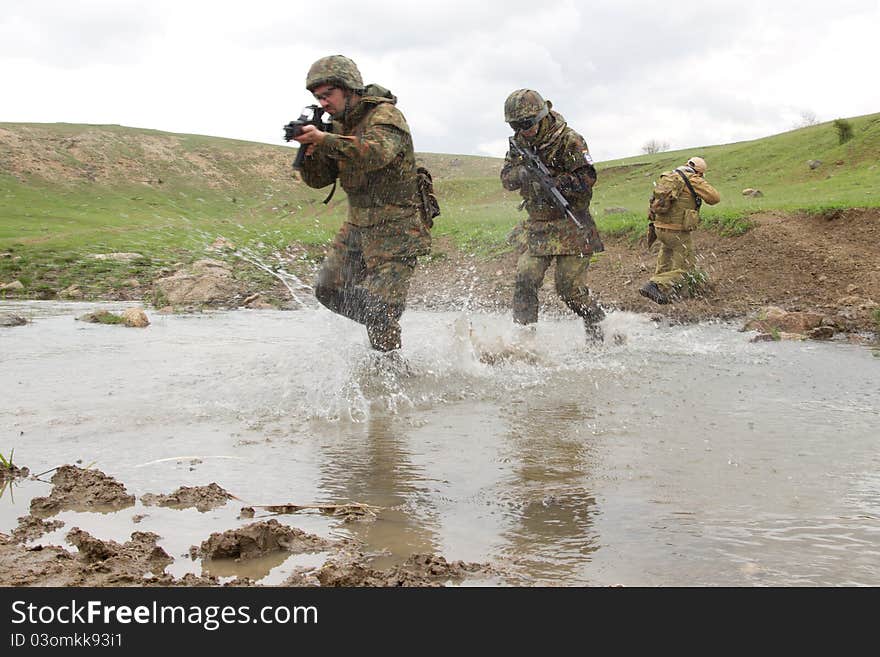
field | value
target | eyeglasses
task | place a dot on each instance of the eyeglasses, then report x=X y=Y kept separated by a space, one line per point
x=525 y=124
x=326 y=94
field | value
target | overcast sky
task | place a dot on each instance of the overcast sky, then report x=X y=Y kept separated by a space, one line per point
x=622 y=72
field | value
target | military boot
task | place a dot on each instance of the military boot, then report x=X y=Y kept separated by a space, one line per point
x=593 y=316
x=595 y=332
x=384 y=337
x=653 y=292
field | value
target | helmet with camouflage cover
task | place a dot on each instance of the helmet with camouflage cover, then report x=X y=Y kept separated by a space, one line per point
x=334 y=69
x=524 y=104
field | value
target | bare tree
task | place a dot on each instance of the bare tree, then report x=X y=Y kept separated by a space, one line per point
x=655 y=146
x=808 y=118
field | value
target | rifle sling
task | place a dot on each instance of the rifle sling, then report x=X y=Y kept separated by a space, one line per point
x=697 y=200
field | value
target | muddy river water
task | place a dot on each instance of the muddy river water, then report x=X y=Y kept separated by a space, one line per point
x=671 y=456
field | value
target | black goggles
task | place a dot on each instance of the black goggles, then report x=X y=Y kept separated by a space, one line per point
x=525 y=124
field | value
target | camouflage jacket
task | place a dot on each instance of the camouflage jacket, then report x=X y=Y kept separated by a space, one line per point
x=547 y=231
x=371 y=153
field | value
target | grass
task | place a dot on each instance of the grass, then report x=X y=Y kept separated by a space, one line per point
x=85 y=190
x=6 y=463
x=103 y=317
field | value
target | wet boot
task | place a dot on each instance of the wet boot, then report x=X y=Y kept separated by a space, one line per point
x=383 y=325
x=653 y=292
x=594 y=331
x=384 y=337
x=592 y=323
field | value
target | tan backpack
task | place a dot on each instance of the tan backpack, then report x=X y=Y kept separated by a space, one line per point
x=667 y=189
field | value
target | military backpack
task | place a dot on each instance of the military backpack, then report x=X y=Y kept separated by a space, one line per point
x=428 y=205
x=666 y=190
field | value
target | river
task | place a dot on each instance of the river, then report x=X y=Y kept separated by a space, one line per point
x=669 y=456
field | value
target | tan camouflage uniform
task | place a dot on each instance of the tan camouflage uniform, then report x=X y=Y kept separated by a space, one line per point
x=677 y=258
x=548 y=233
x=367 y=272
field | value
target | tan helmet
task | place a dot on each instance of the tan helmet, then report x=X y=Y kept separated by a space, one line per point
x=334 y=69
x=698 y=164
x=524 y=104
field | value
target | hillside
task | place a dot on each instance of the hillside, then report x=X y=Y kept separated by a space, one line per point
x=842 y=174
x=70 y=192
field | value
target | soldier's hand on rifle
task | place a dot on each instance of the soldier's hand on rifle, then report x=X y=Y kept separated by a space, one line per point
x=521 y=173
x=311 y=135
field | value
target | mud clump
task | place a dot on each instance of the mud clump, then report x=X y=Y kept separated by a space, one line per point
x=138 y=562
x=31 y=528
x=10 y=472
x=418 y=570
x=81 y=490
x=202 y=498
x=132 y=560
x=259 y=539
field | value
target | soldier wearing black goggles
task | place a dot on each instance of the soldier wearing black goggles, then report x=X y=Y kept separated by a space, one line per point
x=522 y=125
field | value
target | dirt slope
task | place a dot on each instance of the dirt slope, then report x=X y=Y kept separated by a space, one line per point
x=827 y=263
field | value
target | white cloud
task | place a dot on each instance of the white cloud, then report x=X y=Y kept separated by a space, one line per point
x=620 y=72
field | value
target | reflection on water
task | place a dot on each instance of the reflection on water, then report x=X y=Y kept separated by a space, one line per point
x=678 y=455
x=553 y=455
x=373 y=466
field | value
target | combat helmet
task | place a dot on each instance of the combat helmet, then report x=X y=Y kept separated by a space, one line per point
x=698 y=164
x=337 y=69
x=525 y=106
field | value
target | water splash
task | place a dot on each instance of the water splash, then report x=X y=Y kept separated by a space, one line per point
x=290 y=281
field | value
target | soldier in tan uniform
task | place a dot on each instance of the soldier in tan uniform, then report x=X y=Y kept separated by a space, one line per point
x=367 y=272
x=549 y=234
x=674 y=214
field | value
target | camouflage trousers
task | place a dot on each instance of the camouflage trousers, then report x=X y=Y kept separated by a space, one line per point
x=675 y=261
x=571 y=286
x=366 y=283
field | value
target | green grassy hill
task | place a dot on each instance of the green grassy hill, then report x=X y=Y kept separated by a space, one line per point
x=849 y=175
x=68 y=191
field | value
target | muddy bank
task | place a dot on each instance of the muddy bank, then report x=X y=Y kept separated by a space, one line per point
x=827 y=264
x=28 y=559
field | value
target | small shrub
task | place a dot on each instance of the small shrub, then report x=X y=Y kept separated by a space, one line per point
x=844 y=130
x=696 y=282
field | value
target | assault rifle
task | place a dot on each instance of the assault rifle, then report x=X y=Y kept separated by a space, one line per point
x=311 y=115
x=539 y=172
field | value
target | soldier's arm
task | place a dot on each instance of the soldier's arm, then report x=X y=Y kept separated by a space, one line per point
x=318 y=169
x=580 y=174
x=705 y=191
x=579 y=181
x=511 y=172
x=377 y=148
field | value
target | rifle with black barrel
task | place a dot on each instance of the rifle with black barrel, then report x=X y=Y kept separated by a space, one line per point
x=311 y=115
x=539 y=172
